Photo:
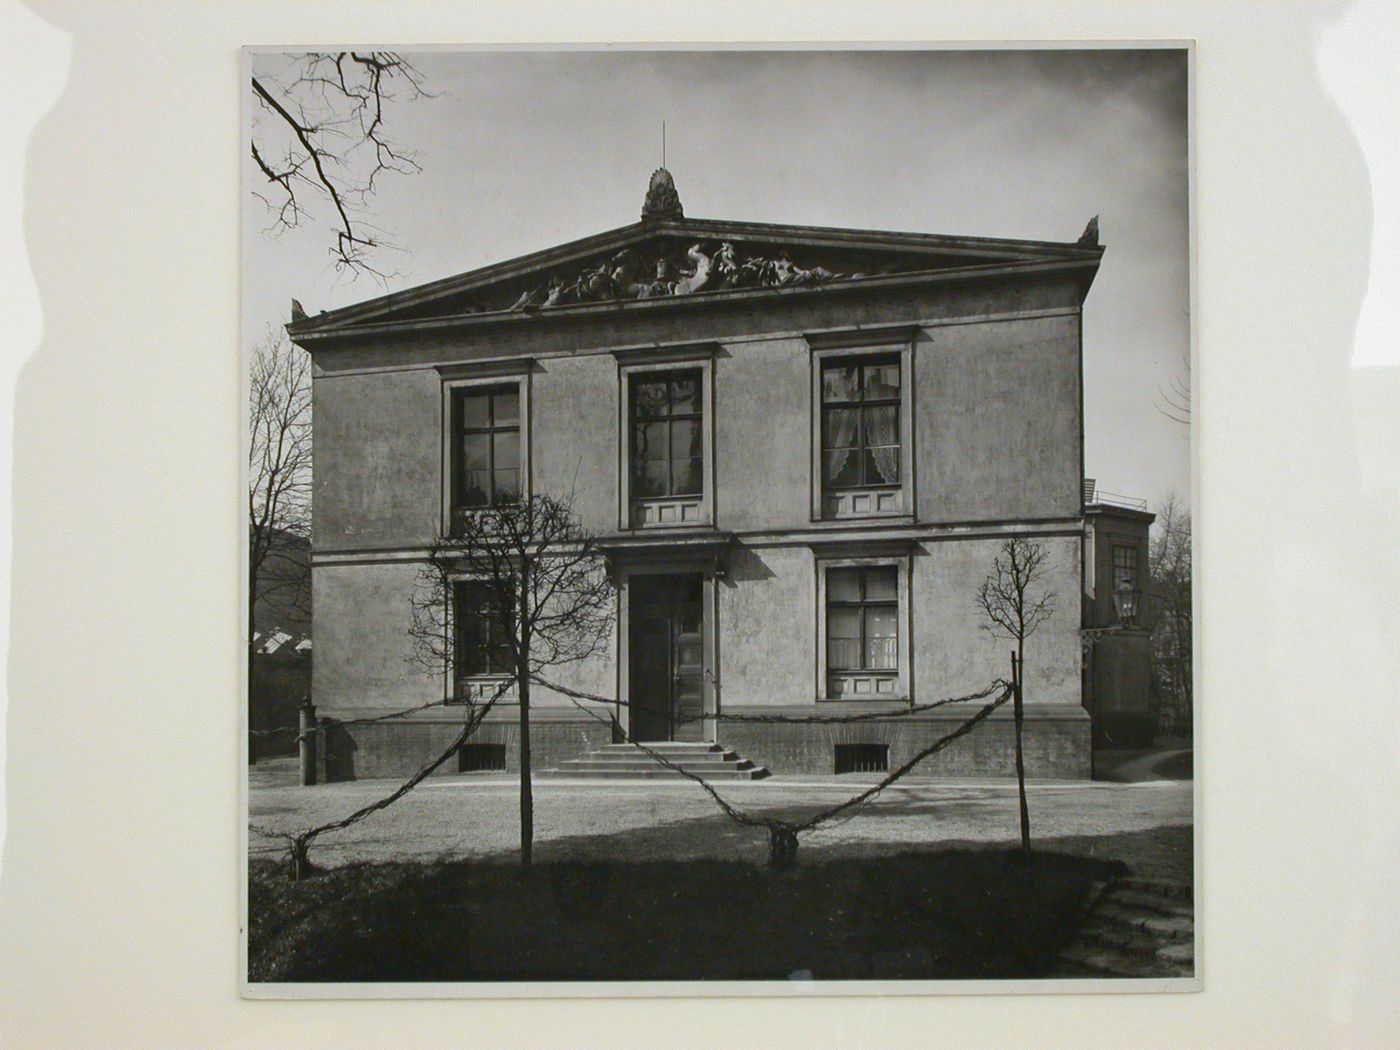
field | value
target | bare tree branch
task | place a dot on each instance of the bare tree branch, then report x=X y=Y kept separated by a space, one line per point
x=552 y=604
x=320 y=135
x=1014 y=603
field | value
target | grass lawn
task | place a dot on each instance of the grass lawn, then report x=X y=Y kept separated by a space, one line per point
x=969 y=912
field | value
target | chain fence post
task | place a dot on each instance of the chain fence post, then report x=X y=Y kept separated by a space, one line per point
x=306 y=741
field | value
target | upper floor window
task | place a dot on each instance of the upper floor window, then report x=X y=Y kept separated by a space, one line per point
x=486 y=425
x=667 y=435
x=1125 y=582
x=665 y=440
x=860 y=424
x=1125 y=564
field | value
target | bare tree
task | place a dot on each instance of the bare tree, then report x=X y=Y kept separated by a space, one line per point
x=320 y=138
x=279 y=477
x=1169 y=559
x=522 y=585
x=1174 y=400
x=1013 y=605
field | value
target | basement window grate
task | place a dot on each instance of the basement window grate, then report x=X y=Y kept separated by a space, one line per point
x=862 y=758
x=481 y=758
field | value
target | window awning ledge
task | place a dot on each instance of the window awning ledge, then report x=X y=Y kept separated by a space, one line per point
x=703 y=550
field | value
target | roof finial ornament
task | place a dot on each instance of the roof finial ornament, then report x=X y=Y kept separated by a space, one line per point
x=1090 y=237
x=663 y=202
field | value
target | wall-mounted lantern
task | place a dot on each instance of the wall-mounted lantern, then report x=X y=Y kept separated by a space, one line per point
x=1125 y=603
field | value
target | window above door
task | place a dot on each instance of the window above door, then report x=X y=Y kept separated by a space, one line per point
x=665 y=445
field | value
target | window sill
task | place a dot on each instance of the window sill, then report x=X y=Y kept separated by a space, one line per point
x=863 y=503
x=481 y=686
x=864 y=685
x=669 y=512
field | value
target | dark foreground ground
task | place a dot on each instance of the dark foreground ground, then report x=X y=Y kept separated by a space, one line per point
x=947 y=913
x=648 y=881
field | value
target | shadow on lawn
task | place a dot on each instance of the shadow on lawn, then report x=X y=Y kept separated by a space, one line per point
x=936 y=914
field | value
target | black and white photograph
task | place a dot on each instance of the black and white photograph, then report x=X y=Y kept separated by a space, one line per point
x=719 y=520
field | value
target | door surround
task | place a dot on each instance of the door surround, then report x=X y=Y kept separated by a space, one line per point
x=704 y=568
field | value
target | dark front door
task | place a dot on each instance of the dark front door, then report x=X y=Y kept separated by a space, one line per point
x=666 y=666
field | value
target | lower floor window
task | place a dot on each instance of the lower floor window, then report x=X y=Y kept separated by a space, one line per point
x=482 y=617
x=862 y=619
x=862 y=633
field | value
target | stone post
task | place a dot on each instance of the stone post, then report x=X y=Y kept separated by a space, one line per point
x=306 y=741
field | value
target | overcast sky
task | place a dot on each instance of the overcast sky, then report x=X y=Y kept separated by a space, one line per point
x=524 y=150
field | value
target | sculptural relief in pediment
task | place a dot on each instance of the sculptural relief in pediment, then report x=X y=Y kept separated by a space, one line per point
x=634 y=273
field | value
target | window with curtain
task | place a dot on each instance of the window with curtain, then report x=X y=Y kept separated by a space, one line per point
x=481 y=631
x=487 y=428
x=860 y=424
x=862 y=619
x=667 y=413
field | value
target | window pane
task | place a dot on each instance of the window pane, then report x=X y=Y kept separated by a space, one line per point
x=840 y=384
x=507 y=449
x=649 y=441
x=881 y=425
x=505 y=406
x=843 y=639
x=650 y=398
x=881 y=381
x=882 y=466
x=475 y=485
x=841 y=428
x=685 y=393
x=506 y=484
x=498 y=648
x=881 y=584
x=476 y=451
x=843 y=585
x=881 y=638
x=476 y=410
x=649 y=477
x=687 y=478
x=685 y=438
x=842 y=468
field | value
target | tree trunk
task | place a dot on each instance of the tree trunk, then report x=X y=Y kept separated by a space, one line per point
x=1018 y=673
x=252 y=618
x=522 y=685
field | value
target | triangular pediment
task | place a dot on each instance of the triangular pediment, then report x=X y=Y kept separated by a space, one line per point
x=692 y=260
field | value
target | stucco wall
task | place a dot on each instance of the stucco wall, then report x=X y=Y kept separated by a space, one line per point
x=997 y=423
x=767 y=629
x=573 y=435
x=763 y=435
x=362 y=616
x=362 y=645
x=376 y=476
x=953 y=654
x=997 y=420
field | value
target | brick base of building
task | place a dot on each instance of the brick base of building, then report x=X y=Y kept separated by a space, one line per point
x=1056 y=742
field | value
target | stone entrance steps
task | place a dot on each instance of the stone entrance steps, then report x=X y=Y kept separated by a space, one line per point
x=1136 y=928
x=626 y=762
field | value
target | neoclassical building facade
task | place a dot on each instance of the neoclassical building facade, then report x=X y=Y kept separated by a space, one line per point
x=800 y=448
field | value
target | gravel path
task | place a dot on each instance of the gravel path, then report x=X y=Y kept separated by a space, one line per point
x=1147 y=824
